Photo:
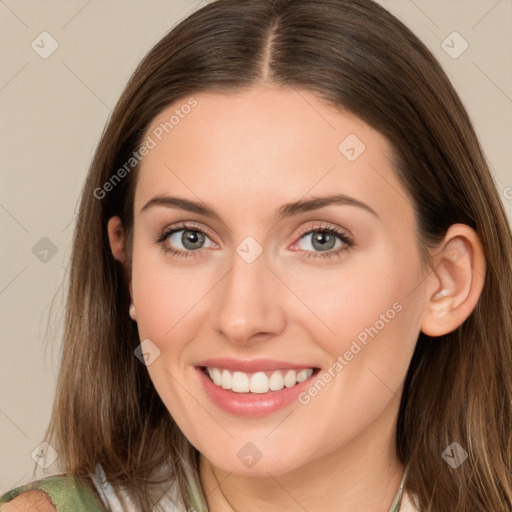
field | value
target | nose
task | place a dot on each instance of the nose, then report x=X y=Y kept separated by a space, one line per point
x=247 y=304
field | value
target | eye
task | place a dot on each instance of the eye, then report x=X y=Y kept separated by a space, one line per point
x=324 y=242
x=187 y=240
x=184 y=241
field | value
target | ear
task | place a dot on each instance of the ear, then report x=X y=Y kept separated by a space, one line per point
x=117 y=245
x=456 y=282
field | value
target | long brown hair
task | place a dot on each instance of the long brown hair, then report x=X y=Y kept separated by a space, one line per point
x=357 y=56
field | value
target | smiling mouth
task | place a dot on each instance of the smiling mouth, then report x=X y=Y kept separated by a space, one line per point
x=258 y=382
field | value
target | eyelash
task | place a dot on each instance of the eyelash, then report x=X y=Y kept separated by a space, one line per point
x=309 y=254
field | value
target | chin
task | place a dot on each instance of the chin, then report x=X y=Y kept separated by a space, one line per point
x=253 y=459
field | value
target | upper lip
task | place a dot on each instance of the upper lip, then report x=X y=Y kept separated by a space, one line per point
x=252 y=366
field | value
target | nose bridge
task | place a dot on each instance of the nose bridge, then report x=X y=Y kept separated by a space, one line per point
x=247 y=301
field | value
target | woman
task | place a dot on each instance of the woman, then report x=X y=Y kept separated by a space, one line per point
x=290 y=281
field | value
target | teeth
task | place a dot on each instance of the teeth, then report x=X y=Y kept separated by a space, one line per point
x=276 y=382
x=216 y=377
x=259 y=382
x=302 y=375
x=290 y=379
x=240 y=382
x=226 y=379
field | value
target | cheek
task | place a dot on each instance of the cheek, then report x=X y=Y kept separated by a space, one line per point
x=370 y=312
x=366 y=289
x=164 y=293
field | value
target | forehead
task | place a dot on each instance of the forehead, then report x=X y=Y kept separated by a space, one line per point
x=263 y=145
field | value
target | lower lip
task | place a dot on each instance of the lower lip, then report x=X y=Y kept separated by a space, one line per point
x=252 y=404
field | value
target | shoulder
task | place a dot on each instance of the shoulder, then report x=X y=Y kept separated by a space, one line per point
x=29 y=501
x=53 y=493
x=117 y=498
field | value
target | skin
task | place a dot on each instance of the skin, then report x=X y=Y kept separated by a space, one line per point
x=245 y=155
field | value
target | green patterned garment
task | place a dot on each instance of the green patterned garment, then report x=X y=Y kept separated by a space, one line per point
x=66 y=493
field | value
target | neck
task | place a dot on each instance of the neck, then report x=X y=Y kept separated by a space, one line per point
x=364 y=475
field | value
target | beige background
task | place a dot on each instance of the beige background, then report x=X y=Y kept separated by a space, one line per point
x=53 y=111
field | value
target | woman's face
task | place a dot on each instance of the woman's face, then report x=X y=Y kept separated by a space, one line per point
x=265 y=281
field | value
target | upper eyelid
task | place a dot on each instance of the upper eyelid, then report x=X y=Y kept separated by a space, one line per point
x=181 y=227
x=322 y=225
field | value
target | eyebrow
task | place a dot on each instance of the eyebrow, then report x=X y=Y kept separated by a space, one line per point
x=285 y=211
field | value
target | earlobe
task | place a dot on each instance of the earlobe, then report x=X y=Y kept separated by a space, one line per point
x=455 y=283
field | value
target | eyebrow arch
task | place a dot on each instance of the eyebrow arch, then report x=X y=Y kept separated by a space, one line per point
x=315 y=203
x=181 y=203
x=285 y=211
